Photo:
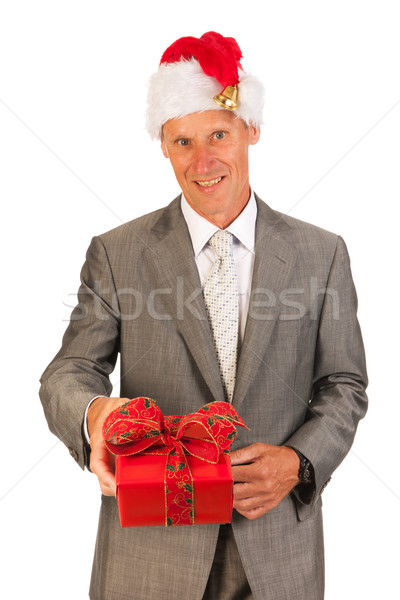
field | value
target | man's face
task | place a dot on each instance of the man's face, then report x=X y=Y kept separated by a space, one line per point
x=209 y=154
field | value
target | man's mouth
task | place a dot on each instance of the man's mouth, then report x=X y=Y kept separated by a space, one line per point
x=209 y=183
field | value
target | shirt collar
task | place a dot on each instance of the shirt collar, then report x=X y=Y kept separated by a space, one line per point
x=200 y=230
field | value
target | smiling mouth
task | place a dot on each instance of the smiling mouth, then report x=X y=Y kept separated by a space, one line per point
x=210 y=182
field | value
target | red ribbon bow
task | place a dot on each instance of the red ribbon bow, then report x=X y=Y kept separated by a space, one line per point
x=139 y=426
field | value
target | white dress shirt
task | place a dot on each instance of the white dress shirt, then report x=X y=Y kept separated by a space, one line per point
x=244 y=231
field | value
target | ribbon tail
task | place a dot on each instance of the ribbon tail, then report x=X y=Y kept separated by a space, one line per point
x=179 y=489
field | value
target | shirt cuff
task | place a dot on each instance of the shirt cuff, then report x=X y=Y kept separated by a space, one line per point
x=85 y=427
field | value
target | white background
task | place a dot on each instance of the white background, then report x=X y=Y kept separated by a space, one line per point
x=75 y=161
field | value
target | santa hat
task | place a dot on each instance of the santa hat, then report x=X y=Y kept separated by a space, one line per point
x=198 y=74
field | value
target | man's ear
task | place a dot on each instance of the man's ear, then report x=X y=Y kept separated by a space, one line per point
x=164 y=148
x=254 y=134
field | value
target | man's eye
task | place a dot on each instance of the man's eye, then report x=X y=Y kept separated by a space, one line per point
x=219 y=135
x=183 y=142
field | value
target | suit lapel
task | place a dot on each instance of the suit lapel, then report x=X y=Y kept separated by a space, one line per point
x=176 y=273
x=274 y=261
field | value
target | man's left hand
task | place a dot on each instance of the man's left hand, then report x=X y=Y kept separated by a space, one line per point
x=263 y=475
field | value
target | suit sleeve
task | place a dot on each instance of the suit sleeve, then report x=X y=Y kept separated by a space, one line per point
x=87 y=356
x=338 y=399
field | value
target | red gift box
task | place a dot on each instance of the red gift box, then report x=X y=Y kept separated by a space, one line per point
x=141 y=495
x=172 y=470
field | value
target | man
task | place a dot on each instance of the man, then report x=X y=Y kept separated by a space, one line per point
x=216 y=297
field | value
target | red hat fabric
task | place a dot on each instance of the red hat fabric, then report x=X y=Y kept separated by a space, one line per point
x=218 y=56
x=194 y=70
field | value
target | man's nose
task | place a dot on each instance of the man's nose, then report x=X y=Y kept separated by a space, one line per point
x=203 y=160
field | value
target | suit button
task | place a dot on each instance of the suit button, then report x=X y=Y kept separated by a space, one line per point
x=73 y=453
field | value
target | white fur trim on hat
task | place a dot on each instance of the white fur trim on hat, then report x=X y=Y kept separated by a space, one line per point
x=182 y=88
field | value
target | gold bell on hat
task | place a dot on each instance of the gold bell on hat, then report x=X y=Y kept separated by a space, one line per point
x=228 y=97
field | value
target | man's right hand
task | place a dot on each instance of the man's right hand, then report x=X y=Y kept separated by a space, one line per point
x=102 y=462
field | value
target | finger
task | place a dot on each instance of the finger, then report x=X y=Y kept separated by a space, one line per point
x=100 y=466
x=107 y=482
x=243 y=473
x=249 y=491
x=253 y=513
x=255 y=486
x=254 y=502
x=242 y=491
x=248 y=454
x=249 y=504
x=108 y=488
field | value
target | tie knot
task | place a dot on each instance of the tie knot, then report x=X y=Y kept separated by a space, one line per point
x=222 y=242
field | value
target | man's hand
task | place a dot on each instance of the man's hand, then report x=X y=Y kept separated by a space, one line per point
x=102 y=462
x=263 y=475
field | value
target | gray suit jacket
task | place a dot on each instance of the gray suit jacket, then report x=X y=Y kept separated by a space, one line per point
x=301 y=381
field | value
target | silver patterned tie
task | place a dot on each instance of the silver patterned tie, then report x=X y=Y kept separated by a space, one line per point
x=221 y=298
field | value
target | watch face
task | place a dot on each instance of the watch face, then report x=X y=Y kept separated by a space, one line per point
x=305 y=471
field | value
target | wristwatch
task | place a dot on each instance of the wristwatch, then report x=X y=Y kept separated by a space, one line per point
x=306 y=471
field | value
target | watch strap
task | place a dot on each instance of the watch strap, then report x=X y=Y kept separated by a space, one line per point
x=306 y=471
